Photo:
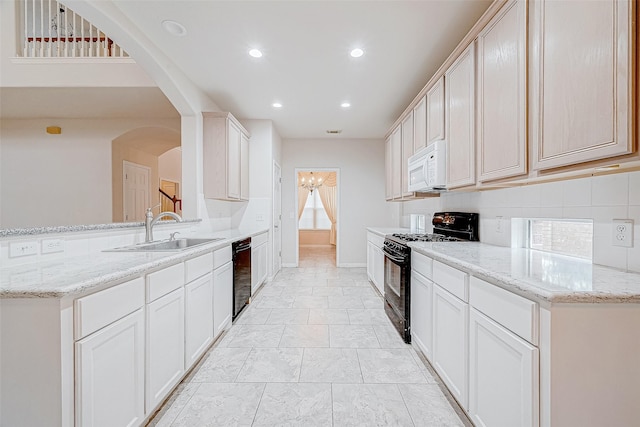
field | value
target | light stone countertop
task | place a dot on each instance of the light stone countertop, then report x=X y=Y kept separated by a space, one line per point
x=382 y=231
x=20 y=232
x=541 y=276
x=80 y=275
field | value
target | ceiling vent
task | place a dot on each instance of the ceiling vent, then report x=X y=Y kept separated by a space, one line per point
x=334 y=131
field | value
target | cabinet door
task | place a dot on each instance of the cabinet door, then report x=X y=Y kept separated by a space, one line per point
x=222 y=298
x=396 y=162
x=198 y=318
x=422 y=313
x=165 y=346
x=420 y=125
x=435 y=112
x=407 y=151
x=450 y=342
x=244 y=167
x=502 y=120
x=258 y=266
x=262 y=256
x=460 y=122
x=581 y=80
x=378 y=269
x=233 y=161
x=110 y=374
x=388 y=161
x=504 y=384
x=370 y=252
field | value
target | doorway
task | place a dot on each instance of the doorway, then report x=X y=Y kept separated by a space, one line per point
x=317 y=226
x=277 y=219
x=135 y=189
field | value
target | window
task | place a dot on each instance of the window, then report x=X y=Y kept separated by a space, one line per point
x=565 y=237
x=314 y=216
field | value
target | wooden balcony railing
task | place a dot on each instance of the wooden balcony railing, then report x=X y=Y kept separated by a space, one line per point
x=52 y=30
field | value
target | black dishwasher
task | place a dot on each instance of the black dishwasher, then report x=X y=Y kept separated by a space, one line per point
x=241 y=274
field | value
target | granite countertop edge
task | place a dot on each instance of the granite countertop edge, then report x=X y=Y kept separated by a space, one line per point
x=33 y=231
x=529 y=290
x=137 y=269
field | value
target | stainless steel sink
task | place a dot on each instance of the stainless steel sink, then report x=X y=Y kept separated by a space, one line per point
x=165 y=245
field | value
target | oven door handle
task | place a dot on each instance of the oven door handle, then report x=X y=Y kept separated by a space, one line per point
x=397 y=260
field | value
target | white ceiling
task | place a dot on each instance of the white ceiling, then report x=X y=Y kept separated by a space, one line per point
x=306 y=64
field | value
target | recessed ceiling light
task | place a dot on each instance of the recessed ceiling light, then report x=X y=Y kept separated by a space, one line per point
x=357 y=53
x=277 y=105
x=255 y=53
x=345 y=105
x=174 y=28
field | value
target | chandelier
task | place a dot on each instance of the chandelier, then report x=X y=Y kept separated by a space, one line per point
x=312 y=183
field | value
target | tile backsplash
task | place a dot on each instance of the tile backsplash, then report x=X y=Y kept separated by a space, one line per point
x=600 y=198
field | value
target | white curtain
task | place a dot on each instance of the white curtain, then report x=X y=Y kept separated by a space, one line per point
x=303 y=193
x=327 y=193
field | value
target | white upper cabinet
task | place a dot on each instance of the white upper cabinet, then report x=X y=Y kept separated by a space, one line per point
x=502 y=86
x=581 y=98
x=435 y=112
x=388 y=154
x=420 y=124
x=396 y=163
x=226 y=157
x=407 y=151
x=244 y=167
x=459 y=120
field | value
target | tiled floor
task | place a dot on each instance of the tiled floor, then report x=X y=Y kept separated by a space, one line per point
x=314 y=348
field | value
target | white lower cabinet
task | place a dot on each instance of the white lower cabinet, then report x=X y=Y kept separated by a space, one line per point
x=450 y=352
x=222 y=297
x=165 y=346
x=198 y=318
x=375 y=260
x=258 y=261
x=110 y=374
x=503 y=371
x=421 y=313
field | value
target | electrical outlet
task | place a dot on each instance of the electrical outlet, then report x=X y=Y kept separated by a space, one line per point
x=623 y=232
x=259 y=217
x=18 y=249
x=499 y=225
x=50 y=246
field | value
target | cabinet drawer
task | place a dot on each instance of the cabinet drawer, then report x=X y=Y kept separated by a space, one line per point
x=164 y=281
x=451 y=279
x=221 y=256
x=512 y=311
x=96 y=311
x=259 y=239
x=422 y=264
x=198 y=266
x=375 y=239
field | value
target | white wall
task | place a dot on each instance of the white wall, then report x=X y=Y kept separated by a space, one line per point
x=361 y=191
x=601 y=198
x=59 y=179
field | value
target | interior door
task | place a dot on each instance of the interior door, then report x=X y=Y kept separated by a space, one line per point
x=277 y=219
x=136 y=191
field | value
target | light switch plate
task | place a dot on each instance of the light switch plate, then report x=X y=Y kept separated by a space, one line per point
x=50 y=246
x=18 y=249
x=623 y=232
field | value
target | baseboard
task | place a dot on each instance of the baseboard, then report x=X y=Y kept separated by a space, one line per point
x=289 y=265
x=352 y=264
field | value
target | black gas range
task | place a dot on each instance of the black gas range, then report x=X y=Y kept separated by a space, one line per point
x=447 y=227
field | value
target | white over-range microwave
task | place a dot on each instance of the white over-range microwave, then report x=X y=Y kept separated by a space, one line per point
x=427 y=168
